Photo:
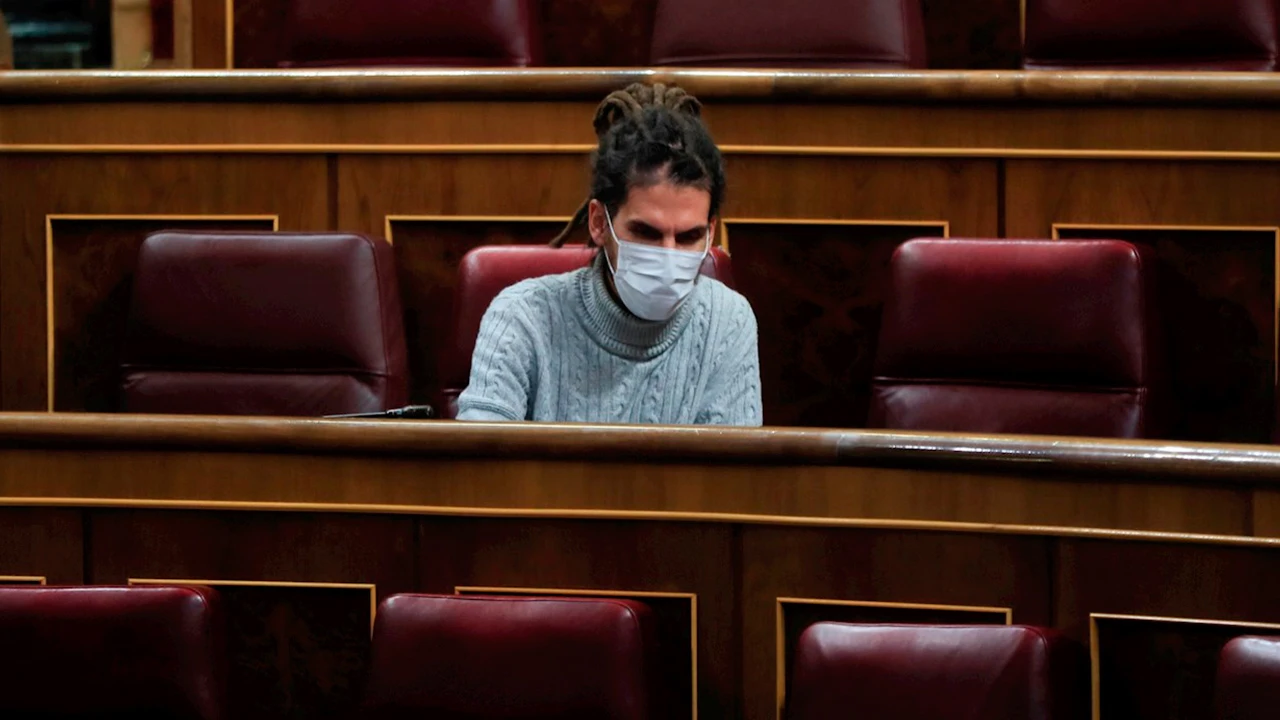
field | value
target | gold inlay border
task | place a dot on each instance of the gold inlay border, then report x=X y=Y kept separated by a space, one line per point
x=215 y=584
x=1274 y=229
x=1063 y=531
x=906 y=151
x=51 y=218
x=24 y=579
x=1095 y=669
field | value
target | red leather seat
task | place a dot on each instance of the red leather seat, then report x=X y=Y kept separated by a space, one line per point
x=264 y=324
x=1056 y=337
x=1248 y=684
x=509 y=658
x=111 y=652
x=436 y=33
x=802 y=33
x=1151 y=34
x=922 y=672
x=487 y=271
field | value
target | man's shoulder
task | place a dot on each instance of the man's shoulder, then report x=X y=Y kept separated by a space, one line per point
x=535 y=295
x=722 y=299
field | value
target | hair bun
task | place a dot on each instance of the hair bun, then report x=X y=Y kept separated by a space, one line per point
x=632 y=100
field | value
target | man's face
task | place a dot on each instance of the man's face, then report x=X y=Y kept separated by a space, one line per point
x=663 y=215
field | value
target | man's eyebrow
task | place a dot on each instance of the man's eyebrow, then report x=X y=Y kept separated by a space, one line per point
x=640 y=226
x=636 y=224
x=699 y=230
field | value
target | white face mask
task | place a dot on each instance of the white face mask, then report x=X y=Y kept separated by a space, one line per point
x=652 y=281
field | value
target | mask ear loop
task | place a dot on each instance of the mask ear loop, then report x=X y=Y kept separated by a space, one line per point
x=616 y=243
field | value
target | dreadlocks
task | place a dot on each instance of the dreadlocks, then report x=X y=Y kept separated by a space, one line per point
x=645 y=130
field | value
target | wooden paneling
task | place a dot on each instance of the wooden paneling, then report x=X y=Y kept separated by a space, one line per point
x=1163 y=580
x=1221 y=293
x=292 y=187
x=261 y=31
x=92 y=271
x=428 y=252
x=989 y=154
x=1160 y=668
x=878 y=566
x=818 y=288
x=586 y=555
x=209 y=33
x=741 y=519
x=818 y=293
x=978 y=34
x=413 y=198
x=877 y=190
x=42 y=542
x=1218 y=304
x=297 y=651
x=600 y=33
x=371 y=188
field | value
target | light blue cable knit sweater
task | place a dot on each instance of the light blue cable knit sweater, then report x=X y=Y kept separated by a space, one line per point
x=560 y=349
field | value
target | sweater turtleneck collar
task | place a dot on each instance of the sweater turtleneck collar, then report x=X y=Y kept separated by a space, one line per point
x=617 y=330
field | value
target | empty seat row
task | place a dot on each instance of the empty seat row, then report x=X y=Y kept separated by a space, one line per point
x=1203 y=34
x=89 y=652
x=1044 y=337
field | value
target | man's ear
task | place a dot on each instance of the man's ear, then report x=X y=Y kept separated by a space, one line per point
x=596 y=223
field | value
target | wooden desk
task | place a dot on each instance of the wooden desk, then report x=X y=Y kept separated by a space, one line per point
x=739 y=538
x=828 y=173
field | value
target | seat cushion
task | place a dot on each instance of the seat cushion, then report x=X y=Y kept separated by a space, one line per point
x=1248 y=684
x=441 y=33
x=1045 y=337
x=1154 y=34
x=512 y=658
x=487 y=271
x=923 y=672
x=98 y=652
x=803 y=33
x=265 y=323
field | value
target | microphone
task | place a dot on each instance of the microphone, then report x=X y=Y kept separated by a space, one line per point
x=409 y=412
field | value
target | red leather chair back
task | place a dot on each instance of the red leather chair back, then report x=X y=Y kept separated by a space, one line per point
x=801 y=33
x=436 y=33
x=487 y=271
x=510 y=658
x=1151 y=34
x=922 y=672
x=99 y=652
x=1248 y=684
x=1055 y=337
x=264 y=324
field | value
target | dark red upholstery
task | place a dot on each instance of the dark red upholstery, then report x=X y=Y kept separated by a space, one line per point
x=1248 y=685
x=439 y=33
x=510 y=658
x=264 y=324
x=1056 y=337
x=1151 y=34
x=801 y=33
x=923 y=672
x=89 y=653
x=487 y=271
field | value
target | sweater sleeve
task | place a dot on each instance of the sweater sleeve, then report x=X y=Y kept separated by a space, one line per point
x=733 y=393
x=501 y=367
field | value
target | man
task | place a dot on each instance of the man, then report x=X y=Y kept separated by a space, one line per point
x=638 y=336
